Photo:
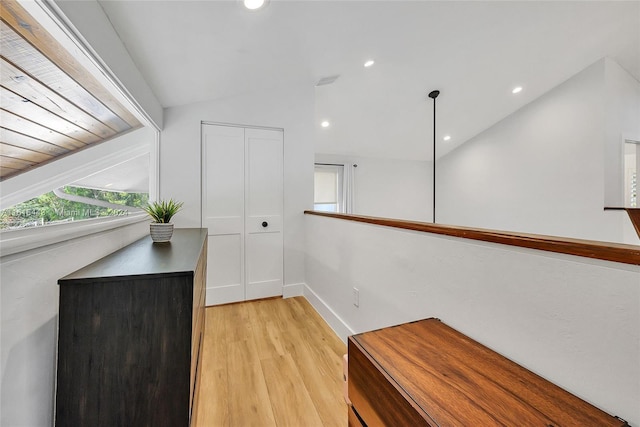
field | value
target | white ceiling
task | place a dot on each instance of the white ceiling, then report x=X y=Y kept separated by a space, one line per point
x=473 y=52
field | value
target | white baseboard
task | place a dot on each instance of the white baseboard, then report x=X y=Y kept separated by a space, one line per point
x=224 y=295
x=330 y=316
x=293 y=290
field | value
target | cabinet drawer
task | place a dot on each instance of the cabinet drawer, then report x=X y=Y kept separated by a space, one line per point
x=376 y=397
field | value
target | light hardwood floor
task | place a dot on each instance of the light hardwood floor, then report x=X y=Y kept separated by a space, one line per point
x=271 y=362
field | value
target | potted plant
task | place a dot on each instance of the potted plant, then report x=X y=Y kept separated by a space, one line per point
x=161 y=228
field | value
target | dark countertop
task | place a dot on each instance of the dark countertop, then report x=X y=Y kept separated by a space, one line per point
x=145 y=258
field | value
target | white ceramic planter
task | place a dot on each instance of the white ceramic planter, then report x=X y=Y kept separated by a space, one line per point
x=161 y=232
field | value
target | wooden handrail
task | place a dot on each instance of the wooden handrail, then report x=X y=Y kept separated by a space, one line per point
x=616 y=252
x=634 y=216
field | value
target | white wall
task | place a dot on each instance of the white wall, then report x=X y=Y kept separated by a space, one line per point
x=388 y=187
x=29 y=301
x=622 y=120
x=291 y=109
x=540 y=170
x=572 y=320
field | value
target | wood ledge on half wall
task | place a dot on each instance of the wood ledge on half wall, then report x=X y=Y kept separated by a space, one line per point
x=615 y=252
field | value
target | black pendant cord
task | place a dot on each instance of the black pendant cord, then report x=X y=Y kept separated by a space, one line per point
x=434 y=94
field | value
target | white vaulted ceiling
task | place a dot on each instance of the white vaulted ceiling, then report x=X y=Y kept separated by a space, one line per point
x=473 y=52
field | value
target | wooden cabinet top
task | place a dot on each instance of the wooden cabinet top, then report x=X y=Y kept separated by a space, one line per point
x=145 y=258
x=453 y=380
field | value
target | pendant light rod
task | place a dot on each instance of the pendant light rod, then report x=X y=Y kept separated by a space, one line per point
x=433 y=95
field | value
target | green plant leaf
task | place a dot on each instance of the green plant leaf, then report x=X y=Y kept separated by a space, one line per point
x=164 y=210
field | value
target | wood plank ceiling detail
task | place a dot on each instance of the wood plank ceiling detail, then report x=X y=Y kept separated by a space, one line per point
x=50 y=105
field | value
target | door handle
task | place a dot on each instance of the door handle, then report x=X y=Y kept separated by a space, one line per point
x=265 y=224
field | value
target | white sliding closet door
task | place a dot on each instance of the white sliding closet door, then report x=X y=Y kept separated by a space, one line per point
x=223 y=211
x=263 y=213
x=242 y=201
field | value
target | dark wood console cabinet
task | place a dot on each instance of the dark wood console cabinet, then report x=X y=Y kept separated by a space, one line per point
x=130 y=334
x=425 y=373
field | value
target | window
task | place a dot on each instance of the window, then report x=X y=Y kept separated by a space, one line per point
x=68 y=204
x=328 y=188
x=631 y=162
x=114 y=192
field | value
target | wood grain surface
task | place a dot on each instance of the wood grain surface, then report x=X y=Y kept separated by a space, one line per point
x=51 y=103
x=449 y=379
x=145 y=258
x=16 y=18
x=616 y=252
x=270 y=362
x=124 y=353
x=130 y=328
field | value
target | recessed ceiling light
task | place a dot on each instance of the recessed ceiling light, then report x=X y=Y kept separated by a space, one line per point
x=324 y=124
x=517 y=89
x=447 y=137
x=369 y=63
x=253 y=4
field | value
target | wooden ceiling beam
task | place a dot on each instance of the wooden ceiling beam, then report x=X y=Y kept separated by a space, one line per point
x=22 y=83
x=6 y=172
x=13 y=163
x=8 y=150
x=21 y=22
x=23 y=55
x=35 y=130
x=50 y=105
x=21 y=106
x=26 y=142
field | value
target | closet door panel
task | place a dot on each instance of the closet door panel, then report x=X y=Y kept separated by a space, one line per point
x=264 y=275
x=223 y=178
x=224 y=271
x=263 y=220
x=223 y=211
x=264 y=172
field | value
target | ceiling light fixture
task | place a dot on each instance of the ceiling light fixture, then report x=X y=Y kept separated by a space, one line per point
x=254 y=4
x=447 y=137
x=369 y=63
x=324 y=124
x=517 y=89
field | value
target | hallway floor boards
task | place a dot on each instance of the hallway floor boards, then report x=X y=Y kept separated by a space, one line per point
x=271 y=362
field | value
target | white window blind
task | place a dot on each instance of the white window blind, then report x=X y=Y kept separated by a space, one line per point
x=328 y=195
x=326 y=187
